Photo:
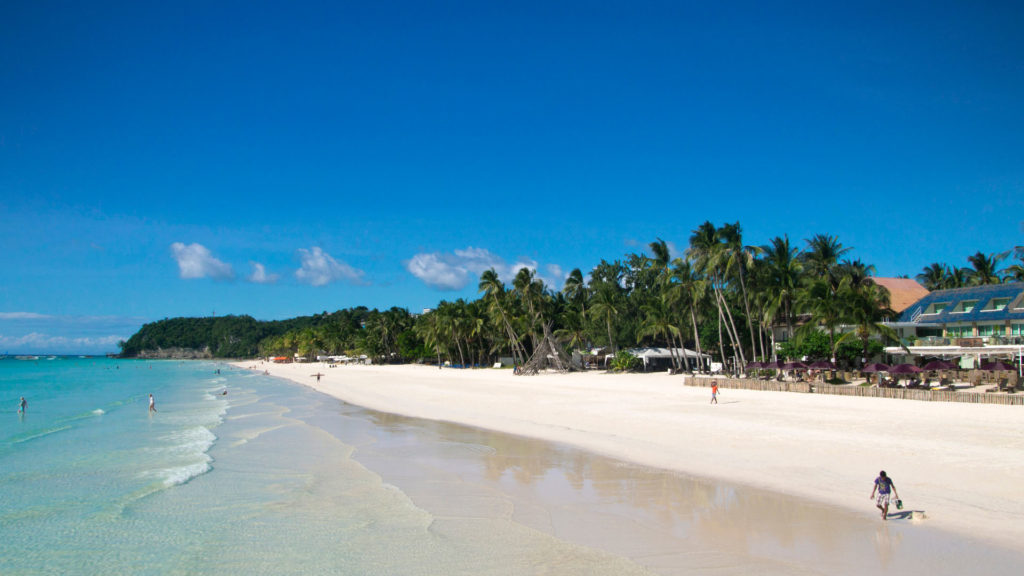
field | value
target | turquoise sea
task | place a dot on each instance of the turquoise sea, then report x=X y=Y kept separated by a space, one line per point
x=275 y=478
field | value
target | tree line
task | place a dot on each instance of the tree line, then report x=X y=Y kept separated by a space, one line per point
x=720 y=297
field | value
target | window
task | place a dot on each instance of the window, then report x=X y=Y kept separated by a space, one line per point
x=991 y=330
x=1017 y=329
x=996 y=304
x=937 y=308
x=959 y=332
x=965 y=306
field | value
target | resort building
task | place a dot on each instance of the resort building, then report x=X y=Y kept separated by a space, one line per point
x=975 y=323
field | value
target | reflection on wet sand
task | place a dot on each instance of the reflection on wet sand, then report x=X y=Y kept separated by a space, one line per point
x=669 y=522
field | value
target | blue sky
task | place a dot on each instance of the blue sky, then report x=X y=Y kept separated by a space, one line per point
x=288 y=158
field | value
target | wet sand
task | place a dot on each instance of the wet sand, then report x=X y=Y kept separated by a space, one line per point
x=738 y=488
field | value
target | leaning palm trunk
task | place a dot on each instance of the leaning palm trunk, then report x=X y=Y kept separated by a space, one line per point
x=734 y=336
x=720 y=300
x=696 y=339
x=682 y=346
x=721 y=348
x=746 y=308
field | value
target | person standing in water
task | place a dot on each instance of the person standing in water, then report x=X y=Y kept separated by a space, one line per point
x=152 y=403
x=22 y=405
x=883 y=485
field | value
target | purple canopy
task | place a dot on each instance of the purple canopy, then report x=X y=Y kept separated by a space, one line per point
x=939 y=365
x=822 y=365
x=794 y=366
x=998 y=365
x=875 y=368
x=773 y=365
x=904 y=369
x=755 y=365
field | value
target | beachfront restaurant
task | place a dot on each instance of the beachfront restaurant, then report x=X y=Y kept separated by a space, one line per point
x=967 y=325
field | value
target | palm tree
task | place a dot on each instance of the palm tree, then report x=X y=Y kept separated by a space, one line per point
x=656 y=322
x=985 y=269
x=572 y=332
x=740 y=258
x=822 y=302
x=428 y=329
x=866 y=306
x=822 y=255
x=855 y=270
x=605 y=305
x=687 y=290
x=784 y=275
x=492 y=286
x=957 y=277
x=530 y=291
x=576 y=291
x=709 y=253
x=933 y=276
x=1015 y=272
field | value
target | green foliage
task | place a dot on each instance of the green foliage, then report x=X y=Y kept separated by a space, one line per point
x=849 y=353
x=812 y=345
x=624 y=362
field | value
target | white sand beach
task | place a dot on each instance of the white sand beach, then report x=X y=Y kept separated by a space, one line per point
x=957 y=466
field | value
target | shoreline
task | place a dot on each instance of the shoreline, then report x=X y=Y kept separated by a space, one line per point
x=954 y=465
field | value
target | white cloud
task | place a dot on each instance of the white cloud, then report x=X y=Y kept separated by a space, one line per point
x=434 y=271
x=259 y=274
x=456 y=270
x=195 y=261
x=22 y=316
x=557 y=275
x=319 y=268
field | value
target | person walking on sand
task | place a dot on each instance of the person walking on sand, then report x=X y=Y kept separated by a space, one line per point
x=714 y=392
x=22 y=405
x=883 y=486
x=152 y=403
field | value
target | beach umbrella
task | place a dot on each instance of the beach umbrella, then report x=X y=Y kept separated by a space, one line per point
x=904 y=369
x=777 y=365
x=939 y=365
x=822 y=365
x=794 y=366
x=755 y=365
x=875 y=368
x=998 y=365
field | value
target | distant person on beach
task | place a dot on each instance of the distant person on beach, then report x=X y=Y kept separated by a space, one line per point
x=22 y=405
x=883 y=486
x=152 y=403
x=714 y=392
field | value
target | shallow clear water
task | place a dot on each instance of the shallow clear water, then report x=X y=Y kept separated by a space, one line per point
x=275 y=478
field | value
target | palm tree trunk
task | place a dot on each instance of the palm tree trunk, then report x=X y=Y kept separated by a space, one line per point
x=746 y=307
x=734 y=336
x=682 y=346
x=610 y=341
x=721 y=349
x=696 y=339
